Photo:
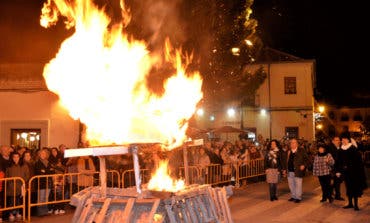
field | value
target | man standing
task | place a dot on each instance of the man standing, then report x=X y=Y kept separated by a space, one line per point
x=295 y=168
x=333 y=149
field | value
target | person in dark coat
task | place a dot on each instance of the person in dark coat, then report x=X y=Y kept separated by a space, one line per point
x=44 y=184
x=351 y=166
x=333 y=149
x=294 y=169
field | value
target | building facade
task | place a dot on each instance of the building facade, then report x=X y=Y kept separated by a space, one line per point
x=284 y=103
x=338 y=119
x=30 y=115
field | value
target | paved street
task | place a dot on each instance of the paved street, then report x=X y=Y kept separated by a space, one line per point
x=251 y=204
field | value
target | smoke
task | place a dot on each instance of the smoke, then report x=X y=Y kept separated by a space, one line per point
x=156 y=20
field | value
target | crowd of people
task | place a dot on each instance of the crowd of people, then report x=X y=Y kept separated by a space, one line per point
x=332 y=162
x=25 y=163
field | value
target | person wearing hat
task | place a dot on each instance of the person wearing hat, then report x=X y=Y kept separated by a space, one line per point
x=322 y=165
x=351 y=166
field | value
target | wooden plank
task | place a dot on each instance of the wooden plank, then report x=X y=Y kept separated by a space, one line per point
x=101 y=215
x=92 y=217
x=153 y=210
x=127 y=212
x=85 y=211
x=225 y=206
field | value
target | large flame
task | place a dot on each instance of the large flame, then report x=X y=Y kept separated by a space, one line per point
x=161 y=180
x=100 y=77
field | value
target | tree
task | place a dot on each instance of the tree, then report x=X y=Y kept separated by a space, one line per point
x=221 y=35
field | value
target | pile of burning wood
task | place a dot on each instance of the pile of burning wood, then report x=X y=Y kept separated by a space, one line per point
x=194 y=203
x=197 y=203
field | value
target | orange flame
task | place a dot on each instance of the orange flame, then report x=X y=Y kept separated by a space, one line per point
x=100 y=77
x=161 y=181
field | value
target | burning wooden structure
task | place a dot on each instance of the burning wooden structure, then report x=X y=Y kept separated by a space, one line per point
x=196 y=203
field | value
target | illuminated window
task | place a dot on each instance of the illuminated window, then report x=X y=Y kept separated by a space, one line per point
x=290 y=85
x=26 y=138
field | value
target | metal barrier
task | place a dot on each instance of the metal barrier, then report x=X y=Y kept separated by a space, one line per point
x=128 y=177
x=12 y=195
x=253 y=168
x=193 y=174
x=58 y=188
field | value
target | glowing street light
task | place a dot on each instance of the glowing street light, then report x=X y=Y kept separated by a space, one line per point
x=200 y=112
x=321 y=108
x=231 y=112
x=319 y=126
x=248 y=42
x=263 y=112
x=235 y=51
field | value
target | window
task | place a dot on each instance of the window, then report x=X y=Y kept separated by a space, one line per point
x=291 y=132
x=344 y=117
x=332 y=115
x=357 y=116
x=290 y=85
x=26 y=138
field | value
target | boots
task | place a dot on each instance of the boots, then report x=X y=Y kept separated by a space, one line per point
x=349 y=205
x=355 y=199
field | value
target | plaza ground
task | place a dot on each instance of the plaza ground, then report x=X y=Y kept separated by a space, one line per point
x=251 y=204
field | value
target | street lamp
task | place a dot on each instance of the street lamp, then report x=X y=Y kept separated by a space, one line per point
x=263 y=112
x=200 y=112
x=231 y=112
x=321 y=108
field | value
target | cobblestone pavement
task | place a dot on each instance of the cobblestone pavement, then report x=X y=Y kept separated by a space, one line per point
x=251 y=204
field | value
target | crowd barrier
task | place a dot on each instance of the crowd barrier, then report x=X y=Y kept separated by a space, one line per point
x=214 y=174
x=12 y=195
x=44 y=191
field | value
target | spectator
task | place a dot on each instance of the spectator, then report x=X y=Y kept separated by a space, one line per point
x=350 y=165
x=322 y=166
x=43 y=167
x=15 y=189
x=295 y=167
x=273 y=167
x=86 y=168
x=202 y=162
x=334 y=149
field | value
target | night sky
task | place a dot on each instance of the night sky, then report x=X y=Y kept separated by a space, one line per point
x=330 y=32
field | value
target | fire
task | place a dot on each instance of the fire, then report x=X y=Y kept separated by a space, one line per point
x=161 y=181
x=100 y=75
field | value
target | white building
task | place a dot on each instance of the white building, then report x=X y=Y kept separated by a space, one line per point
x=30 y=115
x=284 y=103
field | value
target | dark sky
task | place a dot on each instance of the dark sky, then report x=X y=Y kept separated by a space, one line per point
x=331 y=32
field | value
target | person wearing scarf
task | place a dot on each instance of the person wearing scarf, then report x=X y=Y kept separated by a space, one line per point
x=273 y=167
x=351 y=166
x=322 y=165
